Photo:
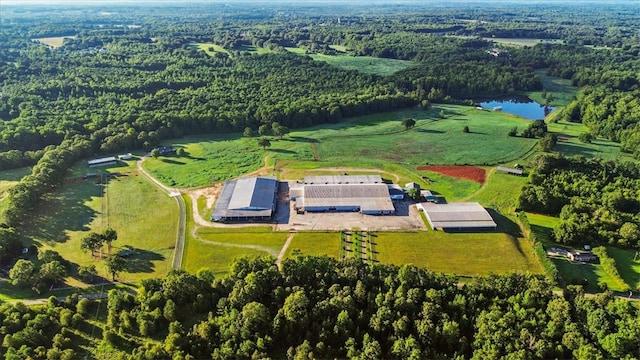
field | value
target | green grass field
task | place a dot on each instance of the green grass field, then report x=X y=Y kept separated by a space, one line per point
x=81 y=206
x=376 y=141
x=364 y=64
x=561 y=90
x=458 y=253
x=315 y=243
x=569 y=144
x=521 y=42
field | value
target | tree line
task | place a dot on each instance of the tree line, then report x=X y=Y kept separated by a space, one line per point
x=318 y=307
x=597 y=201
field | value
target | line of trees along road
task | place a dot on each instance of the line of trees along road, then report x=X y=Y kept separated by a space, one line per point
x=318 y=307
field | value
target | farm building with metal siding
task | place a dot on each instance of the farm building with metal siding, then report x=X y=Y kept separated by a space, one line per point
x=457 y=216
x=102 y=161
x=251 y=198
x=366 y=194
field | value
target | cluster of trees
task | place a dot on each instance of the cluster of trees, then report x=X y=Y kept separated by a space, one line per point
x=318 y=307
x=597 y=201
x=39 y=275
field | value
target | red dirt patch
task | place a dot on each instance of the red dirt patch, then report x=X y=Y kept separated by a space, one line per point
x=472 y=173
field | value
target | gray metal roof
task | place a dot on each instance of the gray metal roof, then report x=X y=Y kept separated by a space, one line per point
x=246 y=197
x=509 y=170
x=372 y=197
x=343 y=179
x=101 y=160
x=458 y=215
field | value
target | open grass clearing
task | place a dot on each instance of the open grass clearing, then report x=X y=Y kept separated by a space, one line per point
x=569 y=144
x=458 y=253
x=521 y=42
x=315 y=243
x=81 y=206
x=561 y=90
x=500 y=192
x=211 y=49
x=365 y=64
x=54 y=41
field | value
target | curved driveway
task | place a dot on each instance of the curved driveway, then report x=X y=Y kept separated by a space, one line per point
x=179 y=249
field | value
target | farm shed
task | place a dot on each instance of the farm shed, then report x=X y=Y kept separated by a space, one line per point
x=510 y=170
x=457 y=216
x=102 y=161
x=244 y=199
x=127 y=156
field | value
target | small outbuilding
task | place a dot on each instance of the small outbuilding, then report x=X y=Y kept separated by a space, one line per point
x=127 y=156
x=102 y=161
x=395 y=192
x=412 y=185
x=511 y=171
x=582 y=256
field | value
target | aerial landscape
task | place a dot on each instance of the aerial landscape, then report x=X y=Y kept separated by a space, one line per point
x=319 y=180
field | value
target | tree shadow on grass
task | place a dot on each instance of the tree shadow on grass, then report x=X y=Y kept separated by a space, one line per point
x=63 y=211
x=301 y=139
x=171 y=161
x=282 y=151
x=430 y=131
x=140 y=260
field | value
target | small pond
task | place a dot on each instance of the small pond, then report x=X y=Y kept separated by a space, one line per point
x=521 y=106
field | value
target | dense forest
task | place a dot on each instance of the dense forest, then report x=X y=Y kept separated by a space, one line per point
x=597 y=201
x=317 y=307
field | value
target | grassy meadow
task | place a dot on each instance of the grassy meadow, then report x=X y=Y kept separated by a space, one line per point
x=458 y=253
x=569 y=144
x=81 y=206
x=365 y=64
x=54 y=42
x=375 y=141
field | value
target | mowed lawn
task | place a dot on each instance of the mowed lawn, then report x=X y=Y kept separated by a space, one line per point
x=144 y=216
x=216 y=249
x=315 y=243
x=569 y=144
x=464 y=254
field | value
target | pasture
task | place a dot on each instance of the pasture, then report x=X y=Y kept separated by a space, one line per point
x=54 y=41
x=521 y=42
x=81 y=206
x=365 y=64
x=376 y=141
x=561 y=90
x=465 y=254
x=569 y=144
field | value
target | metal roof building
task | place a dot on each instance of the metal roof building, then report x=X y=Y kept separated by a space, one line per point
x=343 y=179
x=102 y=161
x=246 y=199
x=361 y=193
x=457 y=216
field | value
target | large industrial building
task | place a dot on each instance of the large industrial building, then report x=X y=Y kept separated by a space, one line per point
x=458 y=216
x=247 y=199
x=366 y=194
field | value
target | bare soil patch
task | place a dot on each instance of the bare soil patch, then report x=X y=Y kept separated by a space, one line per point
x=473 y=173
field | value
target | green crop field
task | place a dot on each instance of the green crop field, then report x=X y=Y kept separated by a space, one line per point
x=365 y=64
x=520 y=42
x=81 y=206
x=458 y=253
